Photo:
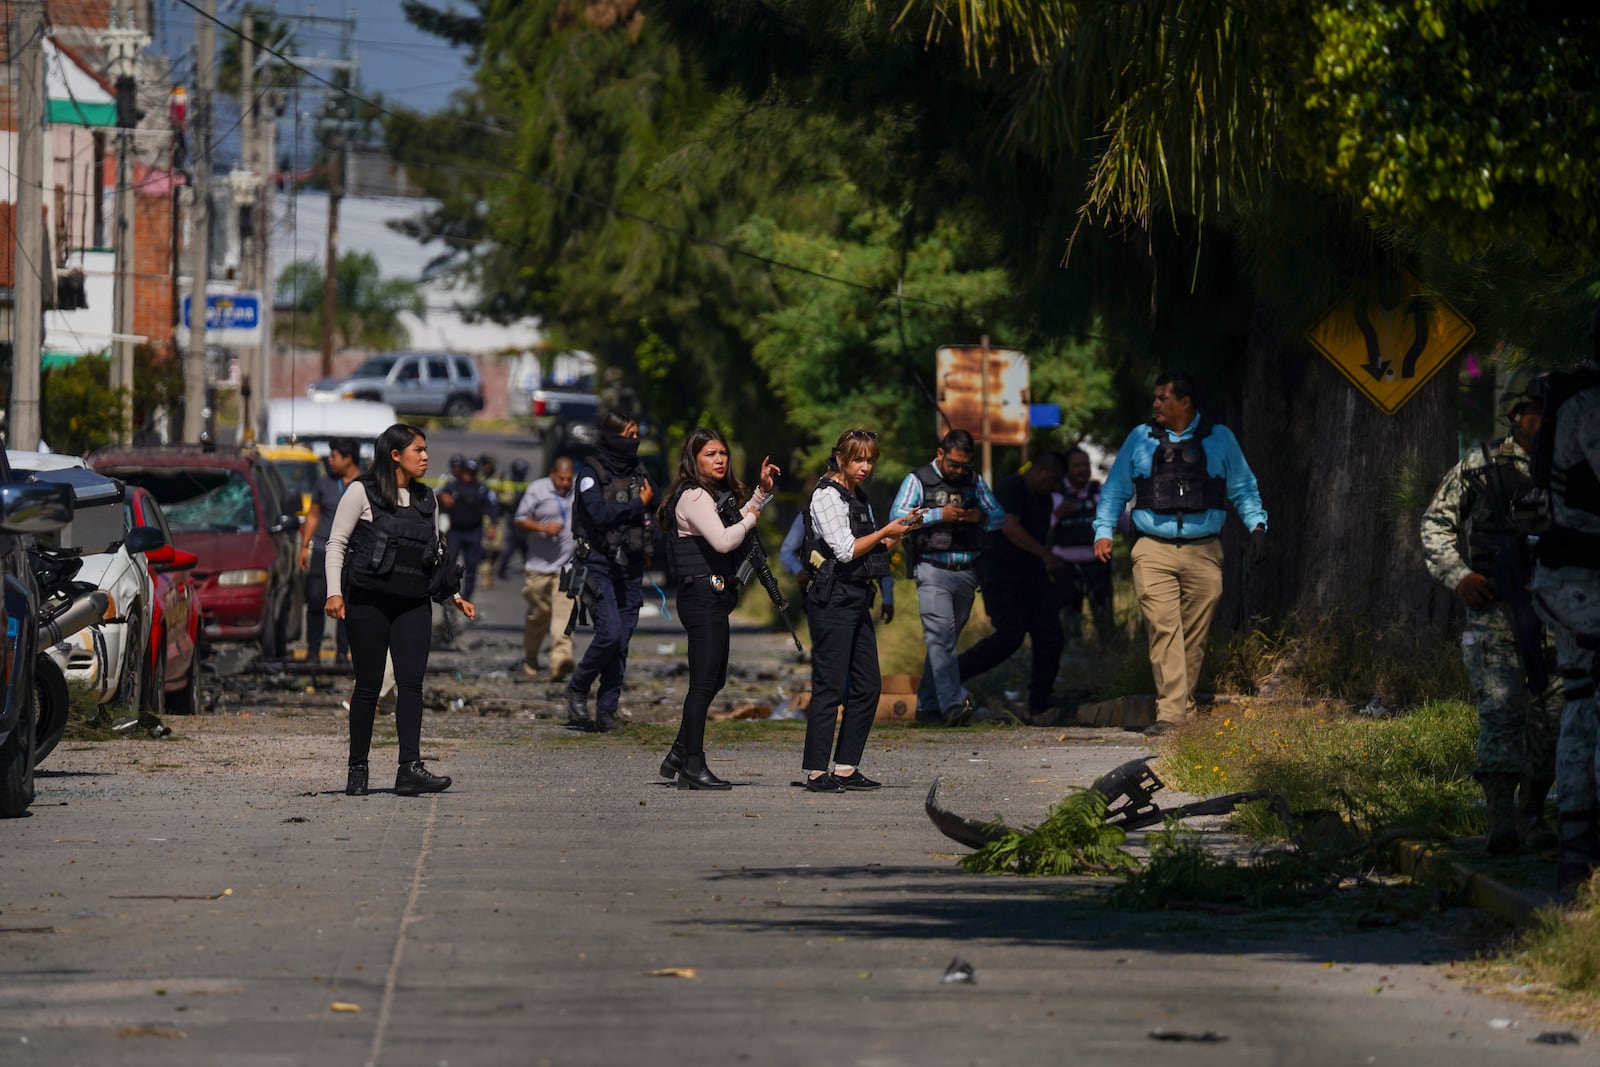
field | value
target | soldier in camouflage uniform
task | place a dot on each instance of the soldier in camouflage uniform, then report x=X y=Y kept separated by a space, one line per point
x=1566 y=588
x=1472 y=548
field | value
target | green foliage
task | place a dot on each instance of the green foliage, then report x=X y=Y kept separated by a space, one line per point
x=1414 y=770
x=1564 y=947
x=1073 y=839
x=1472 y=119
x=74 y=401
x=368 y=305
x=157 y=382
x=1182 y=870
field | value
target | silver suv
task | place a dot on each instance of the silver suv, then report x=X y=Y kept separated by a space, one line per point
x=413 y=383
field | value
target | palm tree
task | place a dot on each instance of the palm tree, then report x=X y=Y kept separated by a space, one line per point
x=369 y=305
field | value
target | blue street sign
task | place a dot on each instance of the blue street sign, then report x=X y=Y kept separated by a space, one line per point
x=229 y=311
x=1042 y=415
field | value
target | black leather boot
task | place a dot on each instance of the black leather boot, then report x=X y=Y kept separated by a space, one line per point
x=578 y=709
x=1531 y=820
x=696 y=775
x=414 y=779
x=605 y=721
x=1500 y=796
x=673 y=763
x=355 y=784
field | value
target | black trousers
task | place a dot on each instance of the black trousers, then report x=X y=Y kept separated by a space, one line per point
x=467 y=547
x=1078 y=581
x=844 y=648
x=1018 y=610
x=397 y=627
x=616 y=616
x=704 y=613
x=316 y=621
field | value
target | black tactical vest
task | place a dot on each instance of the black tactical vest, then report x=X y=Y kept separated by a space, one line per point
x=864 y=568
x=394 y=552
x=938 y=491
x=466 y=513
x=691 y=557
x=628 y=536
x=1077 y=529
x=1178 y=483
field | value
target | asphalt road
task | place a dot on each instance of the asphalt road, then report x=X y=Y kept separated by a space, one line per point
x=214 y=898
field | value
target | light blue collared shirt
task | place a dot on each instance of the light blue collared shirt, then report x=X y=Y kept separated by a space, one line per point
x=909 y=498
x=1223 y=460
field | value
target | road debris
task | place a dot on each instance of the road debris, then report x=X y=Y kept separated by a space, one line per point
x=959 y=971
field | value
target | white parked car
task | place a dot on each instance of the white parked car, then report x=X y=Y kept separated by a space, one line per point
x=109 y=657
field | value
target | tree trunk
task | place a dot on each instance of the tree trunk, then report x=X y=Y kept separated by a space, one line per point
x=1344 y=485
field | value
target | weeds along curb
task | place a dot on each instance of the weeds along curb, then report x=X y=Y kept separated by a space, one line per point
x=1515 y=904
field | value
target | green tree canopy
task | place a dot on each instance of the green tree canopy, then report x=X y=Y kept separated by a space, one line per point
x=368 y=305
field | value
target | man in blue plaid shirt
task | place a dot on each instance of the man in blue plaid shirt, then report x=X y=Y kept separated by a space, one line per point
x=942 y=554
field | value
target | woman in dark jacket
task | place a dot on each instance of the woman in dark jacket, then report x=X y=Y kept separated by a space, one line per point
x=383 y=552
x=609 y=522
x=707 y=532
x=846 y=553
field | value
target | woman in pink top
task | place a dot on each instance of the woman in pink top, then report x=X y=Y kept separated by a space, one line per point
x=706 y=528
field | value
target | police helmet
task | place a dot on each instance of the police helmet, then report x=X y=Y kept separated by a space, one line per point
x=469 y=466
x=519 y=470
x=1523 y=385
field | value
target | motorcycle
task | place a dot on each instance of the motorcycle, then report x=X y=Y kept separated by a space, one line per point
x=65 y=607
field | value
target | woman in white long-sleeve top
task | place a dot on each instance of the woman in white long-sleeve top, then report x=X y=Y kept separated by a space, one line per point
x=707 y=531
x=382 y=558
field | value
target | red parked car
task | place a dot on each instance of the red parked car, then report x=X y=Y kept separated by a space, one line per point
x=232 y=510
x=175 y=613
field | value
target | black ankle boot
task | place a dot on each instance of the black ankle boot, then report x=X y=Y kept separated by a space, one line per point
x=355 y=784
x=604 y=721
x=414 y=779
x=578 y=709
x=673 y=763
x=696 y=775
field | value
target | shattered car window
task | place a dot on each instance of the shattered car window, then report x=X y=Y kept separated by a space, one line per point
x=211 y=500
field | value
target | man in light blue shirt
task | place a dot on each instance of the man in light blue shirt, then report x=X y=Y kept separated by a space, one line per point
x=942 y=554
x=1181 y=471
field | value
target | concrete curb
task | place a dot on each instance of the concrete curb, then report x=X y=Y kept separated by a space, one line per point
x=1487 y=891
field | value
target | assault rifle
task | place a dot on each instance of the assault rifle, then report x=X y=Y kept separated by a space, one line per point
x=755 y=565
x=575 y=583
x=1513 y=569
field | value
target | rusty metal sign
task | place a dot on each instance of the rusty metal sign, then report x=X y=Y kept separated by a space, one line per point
x=966 y=388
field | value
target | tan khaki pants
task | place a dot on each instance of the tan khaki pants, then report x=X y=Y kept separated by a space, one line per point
x=1178 y=588
x=548 y=611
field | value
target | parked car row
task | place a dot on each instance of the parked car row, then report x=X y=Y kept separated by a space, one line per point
x=143 y=653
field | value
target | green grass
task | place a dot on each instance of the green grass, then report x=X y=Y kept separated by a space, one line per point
x=1409 y=771
x=1557 y=963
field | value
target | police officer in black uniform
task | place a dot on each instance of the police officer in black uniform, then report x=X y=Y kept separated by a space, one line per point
x=609 y=522
x=470 y=504
x=383 y=562
x=708 y=534
x=845 y=553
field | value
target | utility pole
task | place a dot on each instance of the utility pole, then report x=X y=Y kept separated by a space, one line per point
x=245 y=198
x=29 y=266
x=330 y=274
x=194 y=364
x=123 y=45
